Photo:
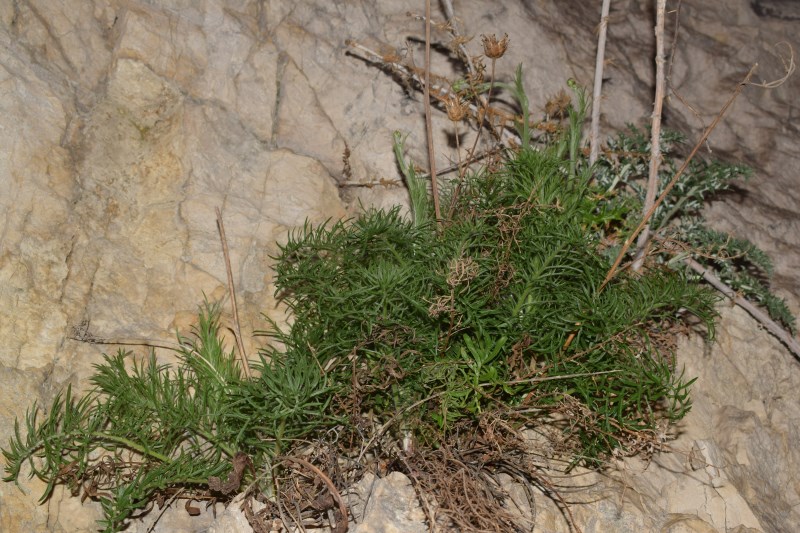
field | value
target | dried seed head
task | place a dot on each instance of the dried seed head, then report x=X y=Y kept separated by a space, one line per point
x=492 y=48
x=558 y=106
x=456 y=109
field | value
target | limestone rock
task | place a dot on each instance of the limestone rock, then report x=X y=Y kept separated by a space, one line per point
x=124 y=124
x=386 y=505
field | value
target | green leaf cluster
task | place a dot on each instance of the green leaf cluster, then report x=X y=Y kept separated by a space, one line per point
x=146 y=428
x=622 y=173
x=500 y=308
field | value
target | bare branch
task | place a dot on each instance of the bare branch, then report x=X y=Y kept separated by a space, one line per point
x=597 y=92
x=655 y=137
x=745 y=304
x=237 y=330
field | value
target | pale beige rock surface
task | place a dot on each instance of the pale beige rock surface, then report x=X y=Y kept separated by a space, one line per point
x=386 y=505
x=123 y=124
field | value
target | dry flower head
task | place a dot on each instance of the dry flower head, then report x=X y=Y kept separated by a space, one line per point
x=492 y=48
x=456 y=109
x=558 y=106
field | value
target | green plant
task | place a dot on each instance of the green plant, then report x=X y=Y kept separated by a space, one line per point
x=500 y=309
x=426 y=328
x=146 y=430
x=622 y=172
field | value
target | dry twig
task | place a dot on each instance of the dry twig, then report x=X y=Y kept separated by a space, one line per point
x=440 y=92
x=597 y=91
x=745 y=304
x=428 y=127
x=341 y=525
x=124 y=341
x=453 y=25
x=655 y=137
x=232 y=291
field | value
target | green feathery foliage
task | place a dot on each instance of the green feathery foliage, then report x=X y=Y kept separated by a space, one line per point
x=499 y=310
x=622 y=172
x=146 y=429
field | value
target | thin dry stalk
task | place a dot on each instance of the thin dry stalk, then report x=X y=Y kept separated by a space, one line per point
x=484 y=112
x=676 y=12
x=482 y=100
x=655 y=137
x=788 y=67
x=626 y=246
x=597 y=91
x=428 y=127
x=279 y=505
x=457 y=167
x=124 y=341
x=493 y=49
x=754 y=311
x=237 y=330
x=461 y=166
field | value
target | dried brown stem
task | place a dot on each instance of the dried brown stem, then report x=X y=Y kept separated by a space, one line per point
x=150 y=343
x=453 y=24
x=232 y=291
x=462 y=169
x=439 y=91
x=341 y=525
x=428 y=126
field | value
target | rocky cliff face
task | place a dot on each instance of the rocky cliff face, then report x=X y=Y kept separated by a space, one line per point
x=125 y=124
